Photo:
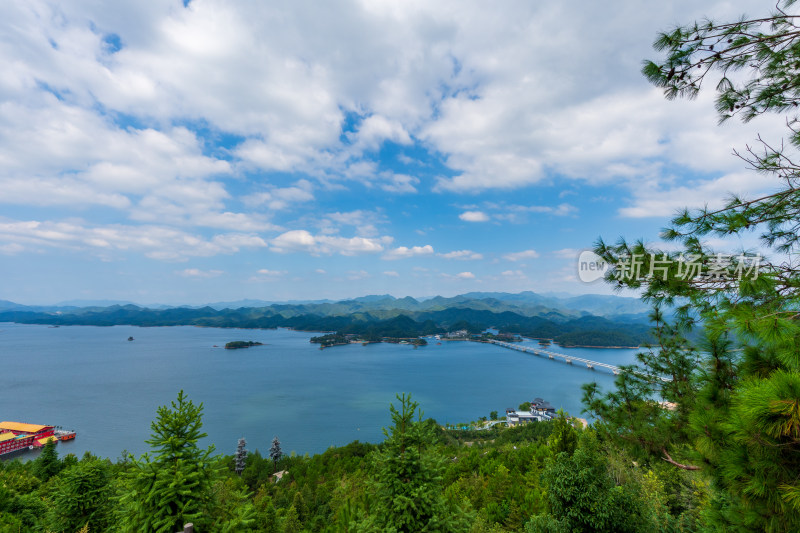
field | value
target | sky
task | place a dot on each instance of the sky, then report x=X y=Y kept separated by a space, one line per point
x=175 y=152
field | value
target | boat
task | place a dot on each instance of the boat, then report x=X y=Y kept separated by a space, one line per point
x=64 y=435
x=15 y=436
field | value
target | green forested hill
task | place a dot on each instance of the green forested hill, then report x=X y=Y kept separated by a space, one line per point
x=595 y=331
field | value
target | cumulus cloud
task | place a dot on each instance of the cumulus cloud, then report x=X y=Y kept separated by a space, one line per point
x=567 y=253
x=462 y=255
x=474 y=216
x=197 y=273
x=404 y=252
x=654 y=200
x=156 y=242
x=364 y=222
x=519 y=256
x=267 y=272
x=211 y=117
x=267 y=275
x=279 y=198
x=514 y=275
x=357 y=275
x=304 y=241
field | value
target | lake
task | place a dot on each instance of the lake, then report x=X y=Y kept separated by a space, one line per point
x=93 y=380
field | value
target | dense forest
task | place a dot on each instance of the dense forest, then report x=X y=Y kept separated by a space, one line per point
x=535 y=477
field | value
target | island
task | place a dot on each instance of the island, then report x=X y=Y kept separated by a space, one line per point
x=340 y=339
x=235 y=345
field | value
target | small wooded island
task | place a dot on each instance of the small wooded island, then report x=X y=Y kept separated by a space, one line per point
x=235 y=345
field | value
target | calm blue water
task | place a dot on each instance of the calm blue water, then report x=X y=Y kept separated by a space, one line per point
x=93 y=380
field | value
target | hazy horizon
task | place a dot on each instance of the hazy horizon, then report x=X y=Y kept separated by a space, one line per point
x=100 y=301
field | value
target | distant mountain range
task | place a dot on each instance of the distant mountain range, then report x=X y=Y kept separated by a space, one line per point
x=595 y=320
x=526 y=303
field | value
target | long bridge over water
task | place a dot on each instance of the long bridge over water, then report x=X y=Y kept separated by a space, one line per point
x=591 y=365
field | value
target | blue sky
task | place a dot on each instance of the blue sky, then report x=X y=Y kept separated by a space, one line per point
x=167 y=153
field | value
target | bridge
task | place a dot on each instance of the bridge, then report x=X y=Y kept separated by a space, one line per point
x=569 y=359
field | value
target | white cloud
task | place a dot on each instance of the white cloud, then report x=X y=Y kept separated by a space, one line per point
x=462 y=255
x=652 y=199
x=120 y=137
x=197 y=273
x=273 y=273
x=376 y=129
x=474 y=216
x=364 y=222
x=11 y=248
x=398 y=183
x=156 y=242
x=266 y=275
x=357 y=275
x=391 y=273
x=519 y=256
x=404 y=252
x=303 y=241
x=279 y=198
x=465 y=275
x=567 y=253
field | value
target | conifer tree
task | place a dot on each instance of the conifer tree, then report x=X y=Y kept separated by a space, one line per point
x=47 y=464
x=582 y=496
x=275 y=452
x=406 y=480
x=734 y=398
x=240 y=459
x=172 y=487
x=82 y=498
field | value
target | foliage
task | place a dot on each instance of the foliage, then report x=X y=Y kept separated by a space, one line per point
x=733 y=396
x=370 y=326
x=275 y=452
x=173 y=487
x=235 y=345
x=82 y=497
x=47 y=464
x=406 y=479
x=583 y=496
x=564 y=437
x=492 y=482
x=240 y=459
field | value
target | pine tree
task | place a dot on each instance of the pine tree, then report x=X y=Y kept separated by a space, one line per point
x=564 y=437
x=582 y=496
x=291 y=522
x=407 y=479
x=736 y=394
x=240 y=458
x=275 y=452
x=82 y=498
x=47 y=464
x=174 y=486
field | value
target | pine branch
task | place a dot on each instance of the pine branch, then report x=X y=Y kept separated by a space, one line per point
x=671 y=461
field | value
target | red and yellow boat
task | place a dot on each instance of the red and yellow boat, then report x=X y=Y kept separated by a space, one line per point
x=16 y=436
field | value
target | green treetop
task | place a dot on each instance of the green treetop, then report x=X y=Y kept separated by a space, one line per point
x=407 y=479
x=732 y=400
x=174 y=486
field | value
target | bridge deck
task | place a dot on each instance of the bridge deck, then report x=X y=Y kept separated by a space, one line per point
x=567 y=358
